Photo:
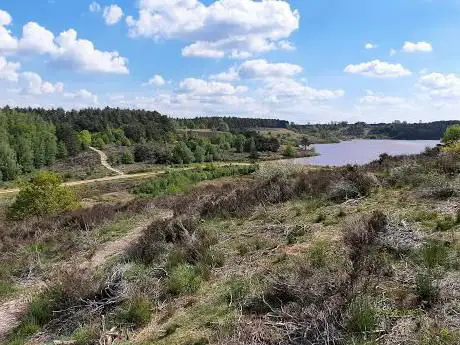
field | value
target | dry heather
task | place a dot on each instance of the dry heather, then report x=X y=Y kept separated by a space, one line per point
x=326 y=256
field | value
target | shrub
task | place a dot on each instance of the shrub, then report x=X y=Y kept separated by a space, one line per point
x=127 y=157
x=183 y=278
x=437 y=186
x=236 y=291
x=289 y=152
x=434 y=254
x=318 y=254
x=86 y=335
x=425 y=287
x=135 y=312
x=362 y=315
x=43 y=195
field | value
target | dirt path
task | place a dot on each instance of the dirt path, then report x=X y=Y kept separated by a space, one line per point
x=117 y=177
x=12 y=310
x=105 y=161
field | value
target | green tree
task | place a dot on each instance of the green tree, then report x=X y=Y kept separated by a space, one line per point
x=451 y=135
x=9 y=168
x=253 y=153
x=289 y=151
x=182 y=154
x=199 y=154
x=43 y=195
x=127 y=157
x=239 y=143
x=222 y=126
x=61 y=150
x=85 y=137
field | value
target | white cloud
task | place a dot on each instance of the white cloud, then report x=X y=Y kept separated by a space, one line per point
x=370 y=45
x=66 y=50
x=8 y=43
x=94 y=7
x=234 y=28
x=112 y=14
x=419 y=47
x=199 y=87
x=378 y=99
x=378 y=69
x=9 y=70
x=156 y=80
x=5 y=18
x=286 y=45
x=32 y=84
x=230 y=75
x=36 y=40
x=439 y=85
x=255 y=69
x=393 y=52
x=82 y=95
x=289 y=89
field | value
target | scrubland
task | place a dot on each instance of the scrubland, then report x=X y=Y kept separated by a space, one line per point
x=282 y=255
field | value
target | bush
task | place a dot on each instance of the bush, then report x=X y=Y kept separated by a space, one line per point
x=318 y=254
x=289 y=152
x=183 y=278
x=236 y=291
x=434 y=254
x=135 y=312
x=362 y=316
x=43 y=195
x=425 y=287
x=86 y=335
x=127 y=157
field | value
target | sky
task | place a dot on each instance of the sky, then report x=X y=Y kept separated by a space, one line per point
x=305 y=61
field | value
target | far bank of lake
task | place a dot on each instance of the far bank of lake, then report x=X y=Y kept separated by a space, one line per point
x=363 y=151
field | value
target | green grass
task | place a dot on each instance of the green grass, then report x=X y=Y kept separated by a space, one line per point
x=363 y=315
x=183 y=279
x=136 y=312
x=434 y=254
x=179 y=181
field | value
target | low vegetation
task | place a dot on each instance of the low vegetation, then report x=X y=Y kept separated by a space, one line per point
x=285 y=255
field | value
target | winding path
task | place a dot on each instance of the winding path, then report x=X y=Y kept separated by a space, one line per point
x=105 y=161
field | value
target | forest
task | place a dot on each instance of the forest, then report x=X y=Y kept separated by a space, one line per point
x=34 y=138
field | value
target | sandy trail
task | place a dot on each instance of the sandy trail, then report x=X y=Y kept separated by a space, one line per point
x=105 y=161
x=12 y=310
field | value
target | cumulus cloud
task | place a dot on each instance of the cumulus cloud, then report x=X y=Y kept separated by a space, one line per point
x=9 y=70
x=255 y=69
x=370 y=45
x=65 y=50
x=112 y=14
x=234 y=28
x=32 y=84
x=228 y=76
x=379 y=99
x=440 y=85
x=5 y=18
x=258 y=69
x=419 y=47
x=36 y=40
x=378 y=69
x=94 y=7
x=82 y=95
x=194 y=86
x=288 y=89
x=156 y=80
x=8 y=43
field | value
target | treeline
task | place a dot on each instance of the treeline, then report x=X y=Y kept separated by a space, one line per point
x=230 y=123
x=27 y=142
x=395 y=130
x=190 y=148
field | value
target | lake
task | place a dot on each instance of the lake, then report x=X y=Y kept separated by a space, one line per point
x=362 y=151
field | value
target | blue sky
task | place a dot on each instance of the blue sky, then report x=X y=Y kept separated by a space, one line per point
x=302 y=60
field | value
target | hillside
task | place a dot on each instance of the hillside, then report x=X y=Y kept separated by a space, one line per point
x=286 y=255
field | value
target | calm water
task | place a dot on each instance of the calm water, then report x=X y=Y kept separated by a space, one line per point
x=363 y=151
